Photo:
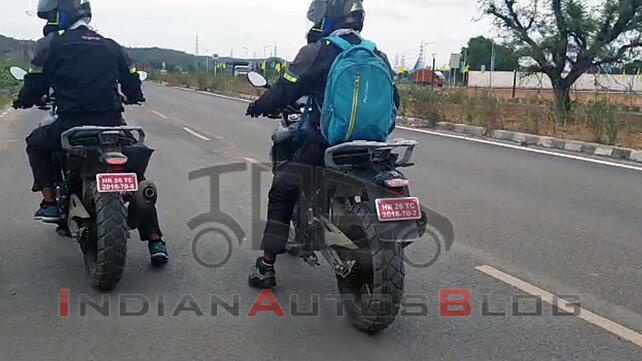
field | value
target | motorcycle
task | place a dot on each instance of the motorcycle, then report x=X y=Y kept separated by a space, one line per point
x=357 y=212
x=100 y=190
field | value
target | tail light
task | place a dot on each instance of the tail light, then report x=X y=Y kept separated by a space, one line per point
x=397 y=186
x=116 y=164
x=116 y=161
x=396 y=183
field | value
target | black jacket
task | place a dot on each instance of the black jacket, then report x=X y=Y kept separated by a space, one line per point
x=307 y=75
x=84 y=70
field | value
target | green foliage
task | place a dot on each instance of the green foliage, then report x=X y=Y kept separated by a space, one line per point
x=8 y=85
x=480 y=53
x=420 y=102
x=600 y=120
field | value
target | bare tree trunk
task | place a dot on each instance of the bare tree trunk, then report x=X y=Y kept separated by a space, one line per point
x=562 y=101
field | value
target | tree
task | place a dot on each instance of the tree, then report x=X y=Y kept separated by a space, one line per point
x=569 y=37
x=479 y=53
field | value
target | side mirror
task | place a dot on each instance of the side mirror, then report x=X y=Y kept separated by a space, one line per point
x=18 y=73
x=143 y=75
x=257 y=80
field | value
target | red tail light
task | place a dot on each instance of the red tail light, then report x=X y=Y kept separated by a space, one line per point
x=397 y=183
x=116 y=161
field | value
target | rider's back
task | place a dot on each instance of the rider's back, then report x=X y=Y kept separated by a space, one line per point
x=84 y=69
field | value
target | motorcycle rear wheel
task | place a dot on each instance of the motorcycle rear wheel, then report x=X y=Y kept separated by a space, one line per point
x=105 y=250
x=372 y=293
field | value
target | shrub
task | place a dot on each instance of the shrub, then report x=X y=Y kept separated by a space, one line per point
x=422 y=103
x=600 y=120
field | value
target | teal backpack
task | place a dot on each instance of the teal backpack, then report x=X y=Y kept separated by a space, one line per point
x=359 y=96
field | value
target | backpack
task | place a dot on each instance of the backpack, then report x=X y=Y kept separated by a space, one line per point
x=359 y=97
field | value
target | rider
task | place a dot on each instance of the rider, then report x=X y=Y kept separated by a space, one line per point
x=84 y=70
x=305 y=76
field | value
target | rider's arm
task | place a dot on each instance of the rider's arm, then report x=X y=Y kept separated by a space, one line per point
x=36 y=83
x=130 y=83
x=294 y=84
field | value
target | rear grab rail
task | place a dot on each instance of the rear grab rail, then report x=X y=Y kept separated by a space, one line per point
x=102 y=133
x=371 y=148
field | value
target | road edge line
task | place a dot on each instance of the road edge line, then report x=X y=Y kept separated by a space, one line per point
x=586 y=315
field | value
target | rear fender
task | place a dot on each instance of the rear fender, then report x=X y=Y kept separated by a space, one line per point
x=365 y=181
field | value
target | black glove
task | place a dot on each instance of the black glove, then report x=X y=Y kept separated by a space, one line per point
x=16 y=104
x=253 y=110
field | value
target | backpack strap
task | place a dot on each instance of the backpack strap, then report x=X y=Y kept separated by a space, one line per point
x=342 y=43
x=368 y=45
x=346 y=45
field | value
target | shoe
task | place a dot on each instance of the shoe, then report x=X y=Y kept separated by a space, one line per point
x=263 y=275
x=158 y=253
x=48 y=213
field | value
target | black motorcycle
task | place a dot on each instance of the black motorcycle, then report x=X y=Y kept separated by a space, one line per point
x=358 y=213
x=100 y=191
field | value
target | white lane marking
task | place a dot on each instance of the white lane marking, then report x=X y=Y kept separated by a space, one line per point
x=527 y=149
x=197 y=135
x=160 y=114
x=562 y=304
x=483 y=141
x=224 y=96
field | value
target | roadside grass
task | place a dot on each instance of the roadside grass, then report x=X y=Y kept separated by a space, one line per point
x=209 y=82
x=592 y=120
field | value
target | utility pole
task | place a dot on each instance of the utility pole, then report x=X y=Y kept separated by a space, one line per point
x=432 y=83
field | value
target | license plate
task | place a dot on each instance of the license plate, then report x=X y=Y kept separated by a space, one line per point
x=398 y=209
x=116 y=182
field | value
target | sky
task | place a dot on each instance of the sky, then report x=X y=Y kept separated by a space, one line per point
x=249 y=27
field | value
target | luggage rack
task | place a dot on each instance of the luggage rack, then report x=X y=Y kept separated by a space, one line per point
x=351 y=154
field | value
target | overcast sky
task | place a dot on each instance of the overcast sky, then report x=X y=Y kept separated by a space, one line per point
x=397 y=26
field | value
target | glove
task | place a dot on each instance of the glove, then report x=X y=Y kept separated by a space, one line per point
x=16 y=104
x=253 y=111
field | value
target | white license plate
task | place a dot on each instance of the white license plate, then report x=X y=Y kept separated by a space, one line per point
x=398 y=209
x=116 y=182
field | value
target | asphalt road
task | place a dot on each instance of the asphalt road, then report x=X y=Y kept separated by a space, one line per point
x=568 y=227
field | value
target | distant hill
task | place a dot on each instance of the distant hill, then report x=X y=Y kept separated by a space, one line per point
x=21 y=51
x=18 y=50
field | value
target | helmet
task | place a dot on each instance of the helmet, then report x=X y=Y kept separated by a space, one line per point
x=63 y=13
x=329 y=15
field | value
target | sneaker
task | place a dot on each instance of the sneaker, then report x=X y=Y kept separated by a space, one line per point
x=158 y=253
x=47 y=213
x=263 y=275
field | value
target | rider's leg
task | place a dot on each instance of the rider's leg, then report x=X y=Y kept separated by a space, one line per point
x=282 y=199
x=149 y=231
x=40 y=144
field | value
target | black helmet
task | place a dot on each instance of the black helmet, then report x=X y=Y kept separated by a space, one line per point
x=330 y=15
x=63 y=13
